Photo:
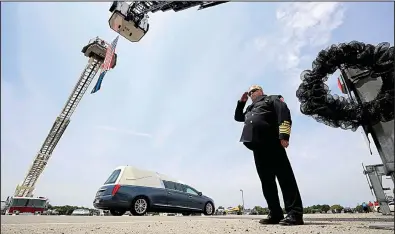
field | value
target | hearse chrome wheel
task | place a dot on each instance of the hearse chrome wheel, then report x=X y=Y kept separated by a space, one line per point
x=140 y=206
x=208 y=209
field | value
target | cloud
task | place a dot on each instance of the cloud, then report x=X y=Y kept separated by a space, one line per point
x=123 y=131
x=301 y=27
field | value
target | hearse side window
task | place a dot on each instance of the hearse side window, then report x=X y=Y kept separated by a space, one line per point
x=169 y=185
x=180 y=187
x=165 y=184
x=191 y=190
x=113 y=177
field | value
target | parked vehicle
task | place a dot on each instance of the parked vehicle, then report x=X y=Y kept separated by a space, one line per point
x=81 y=212
x=25 y=205
x=390 y=204
x=348 y=210
x=141 y=191
x=220 y=212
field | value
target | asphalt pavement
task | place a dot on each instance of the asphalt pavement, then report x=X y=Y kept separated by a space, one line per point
x=319 y=223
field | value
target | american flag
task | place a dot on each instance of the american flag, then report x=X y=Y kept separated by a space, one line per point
x=109 y=54
x=342 y=85
x=106 y=64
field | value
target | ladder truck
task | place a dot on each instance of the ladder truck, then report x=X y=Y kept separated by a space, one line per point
x=95 y=50
x=131 y=20
x=128 y=20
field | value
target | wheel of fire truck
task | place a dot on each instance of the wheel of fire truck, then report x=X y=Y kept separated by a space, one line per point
x=117 y=212
x=139 y=206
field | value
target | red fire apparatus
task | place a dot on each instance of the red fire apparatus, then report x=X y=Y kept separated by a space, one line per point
x=25 y=205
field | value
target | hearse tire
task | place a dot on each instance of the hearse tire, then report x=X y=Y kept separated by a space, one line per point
x=208 y=209
x=139 y=206
x=117 y=212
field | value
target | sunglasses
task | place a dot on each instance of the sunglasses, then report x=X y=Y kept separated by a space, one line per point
x=252 y=91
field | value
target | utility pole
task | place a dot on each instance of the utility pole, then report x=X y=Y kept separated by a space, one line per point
x=242 y=198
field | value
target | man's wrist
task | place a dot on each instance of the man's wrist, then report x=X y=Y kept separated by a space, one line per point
x=284 y=136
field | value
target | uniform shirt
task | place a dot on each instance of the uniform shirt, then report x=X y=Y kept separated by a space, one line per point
x=267 y=117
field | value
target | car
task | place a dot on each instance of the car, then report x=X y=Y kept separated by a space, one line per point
x=140 y=191
x=348 y=210
x=390 y=204
x=81 y=212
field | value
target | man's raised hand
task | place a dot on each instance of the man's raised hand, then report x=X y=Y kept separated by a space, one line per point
x=244 y=97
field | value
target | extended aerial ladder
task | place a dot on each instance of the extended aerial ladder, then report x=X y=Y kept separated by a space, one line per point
x=127 y=19
x=130 y=20
x=139 y=9
x=96 y=52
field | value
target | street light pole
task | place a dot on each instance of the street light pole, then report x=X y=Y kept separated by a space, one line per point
x=242 y=198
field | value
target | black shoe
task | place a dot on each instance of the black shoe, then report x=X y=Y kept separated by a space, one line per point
x=292 y=219
x=271 y=219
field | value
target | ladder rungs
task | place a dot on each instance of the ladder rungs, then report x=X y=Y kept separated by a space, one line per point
x=58 y=128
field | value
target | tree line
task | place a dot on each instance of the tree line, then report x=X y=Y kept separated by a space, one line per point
x=68 y=210
x=336 y=208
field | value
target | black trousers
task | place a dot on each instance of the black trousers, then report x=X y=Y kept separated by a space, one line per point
x=272 y=162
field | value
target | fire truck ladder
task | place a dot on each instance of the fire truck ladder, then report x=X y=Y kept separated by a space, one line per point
x=96 y=52
x=138 y=9
x=141 y=8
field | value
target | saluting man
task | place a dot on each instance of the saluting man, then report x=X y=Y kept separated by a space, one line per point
x=267 y=129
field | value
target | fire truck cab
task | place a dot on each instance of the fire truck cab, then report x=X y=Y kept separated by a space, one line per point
x=25 y=205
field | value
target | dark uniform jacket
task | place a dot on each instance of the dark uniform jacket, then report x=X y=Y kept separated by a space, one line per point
x=267 y=118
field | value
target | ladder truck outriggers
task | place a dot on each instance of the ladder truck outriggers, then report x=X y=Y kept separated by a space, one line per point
x=23 y=200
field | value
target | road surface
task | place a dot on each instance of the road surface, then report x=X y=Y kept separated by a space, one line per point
x=328 y=223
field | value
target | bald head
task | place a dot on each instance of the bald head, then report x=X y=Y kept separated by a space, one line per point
x=255 y=91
